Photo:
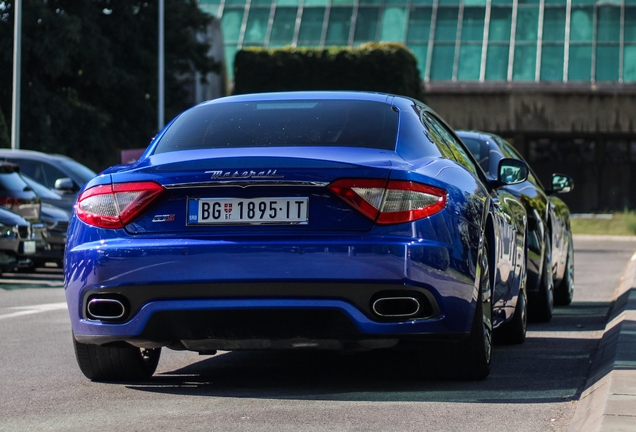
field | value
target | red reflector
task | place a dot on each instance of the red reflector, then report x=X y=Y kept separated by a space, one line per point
x=365 y=195
x=115 y=206
x=392 y=202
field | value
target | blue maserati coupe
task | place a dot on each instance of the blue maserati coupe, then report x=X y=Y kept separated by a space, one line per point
x=301 y=220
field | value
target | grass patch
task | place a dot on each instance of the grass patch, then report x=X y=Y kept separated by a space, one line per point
x=621 y=224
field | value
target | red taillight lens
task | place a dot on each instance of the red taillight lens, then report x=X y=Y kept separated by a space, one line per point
x=365 y=195
x=115 y=206
x=390 y=202
x=10 y=202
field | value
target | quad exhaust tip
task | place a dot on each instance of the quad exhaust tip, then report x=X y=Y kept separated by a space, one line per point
x=106 y=309
x=396 y=307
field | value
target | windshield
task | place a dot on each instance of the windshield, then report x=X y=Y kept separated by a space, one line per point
x=84 y=173
x=41 y=190
x=343 y=123
x=479 y=151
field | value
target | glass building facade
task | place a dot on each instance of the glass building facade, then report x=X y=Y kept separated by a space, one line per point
x=558 y=76
x=453 y=40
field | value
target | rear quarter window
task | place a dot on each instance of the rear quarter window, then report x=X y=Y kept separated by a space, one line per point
x=309 y=123
x=446 y=140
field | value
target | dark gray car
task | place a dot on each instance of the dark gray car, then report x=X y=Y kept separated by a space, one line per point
x=57 y=172
x=16 y=241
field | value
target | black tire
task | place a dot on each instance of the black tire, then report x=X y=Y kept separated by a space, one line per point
x=514 y=331
x=474 y=355
x=471 y=358
x=564 y=292
x=542 y=304
x=116 y=363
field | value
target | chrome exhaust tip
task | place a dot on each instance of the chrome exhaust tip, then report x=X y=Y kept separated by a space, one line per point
x=396 y=307
x=105 y=309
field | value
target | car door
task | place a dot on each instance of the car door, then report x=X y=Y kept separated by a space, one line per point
x=555 y=216
x=509 y=229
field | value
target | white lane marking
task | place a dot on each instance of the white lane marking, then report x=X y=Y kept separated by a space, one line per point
x=633 y=257
x=31 y=282
x=29 y=310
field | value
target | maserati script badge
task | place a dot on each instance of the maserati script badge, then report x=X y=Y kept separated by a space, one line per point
x=244 y=174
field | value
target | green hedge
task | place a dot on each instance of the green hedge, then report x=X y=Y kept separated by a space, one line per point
x=380 y=67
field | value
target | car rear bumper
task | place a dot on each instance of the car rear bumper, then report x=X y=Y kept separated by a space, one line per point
x=264 y=323
x=12 y=254
x=211 y=290
x=8 y=260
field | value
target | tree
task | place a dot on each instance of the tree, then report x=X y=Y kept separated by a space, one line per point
x=89 y=72
x=382 y=67
x=4 y=132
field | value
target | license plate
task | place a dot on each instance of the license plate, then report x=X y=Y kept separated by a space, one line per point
x=248 y=211
x=28 y=247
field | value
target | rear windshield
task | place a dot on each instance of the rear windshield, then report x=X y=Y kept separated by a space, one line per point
x=284 y=124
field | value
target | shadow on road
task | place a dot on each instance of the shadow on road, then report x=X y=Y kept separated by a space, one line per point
x=551 y=366
x=41 y=277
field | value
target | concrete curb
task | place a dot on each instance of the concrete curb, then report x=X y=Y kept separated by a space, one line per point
x=608 y=402
x=604 y=237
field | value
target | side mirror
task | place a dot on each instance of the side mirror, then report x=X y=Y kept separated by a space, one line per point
x=512 y=171
x=562 y=183
x=64 y=185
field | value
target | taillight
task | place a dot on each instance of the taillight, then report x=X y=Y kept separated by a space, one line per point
x=392 y=201
x=115 y=206
x=9 y=202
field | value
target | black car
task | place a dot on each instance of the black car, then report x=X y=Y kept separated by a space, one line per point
x=56 y=221
x=55 y=213
x=16 y=241
x=51 y=197
x=549 y=234
x=17 y=196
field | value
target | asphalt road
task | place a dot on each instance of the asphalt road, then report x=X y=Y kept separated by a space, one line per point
x=532 y=387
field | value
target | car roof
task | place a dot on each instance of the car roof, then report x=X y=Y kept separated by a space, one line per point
x=31 y=154
x=303 y=95
x=474 y=134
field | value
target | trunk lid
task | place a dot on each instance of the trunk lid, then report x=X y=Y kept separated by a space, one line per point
x=277 y=191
